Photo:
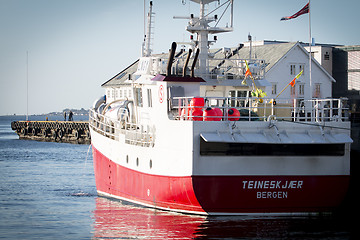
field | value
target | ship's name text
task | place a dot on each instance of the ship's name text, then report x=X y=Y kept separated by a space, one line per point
x=272 y=184
x=280 y=185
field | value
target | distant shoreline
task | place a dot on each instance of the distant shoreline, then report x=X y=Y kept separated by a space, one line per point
x=76 y=112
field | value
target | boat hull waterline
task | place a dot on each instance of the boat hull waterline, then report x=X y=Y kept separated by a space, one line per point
x=220 y=195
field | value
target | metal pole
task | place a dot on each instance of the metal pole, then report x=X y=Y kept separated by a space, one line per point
x=27 y=85
x=310 y=80
x=310 y=40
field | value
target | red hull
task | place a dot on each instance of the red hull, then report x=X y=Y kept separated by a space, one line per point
x=220 y=194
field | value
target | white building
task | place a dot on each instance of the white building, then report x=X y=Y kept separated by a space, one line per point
x=322 y=54
x=285 y=61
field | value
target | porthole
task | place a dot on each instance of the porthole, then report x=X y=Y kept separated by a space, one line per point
x=150 y=164
x=137 y=161
x=127 y=159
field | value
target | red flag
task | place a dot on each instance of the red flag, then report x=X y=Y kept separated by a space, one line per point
x=292 y=83
x=301 y=12
x=247 y=73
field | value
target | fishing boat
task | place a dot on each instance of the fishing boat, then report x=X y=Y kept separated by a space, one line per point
x=173 y=136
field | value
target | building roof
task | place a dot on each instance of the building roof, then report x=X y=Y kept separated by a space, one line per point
x=274 y=53
x=271 y=53
x=349 y=48
x=122 y=76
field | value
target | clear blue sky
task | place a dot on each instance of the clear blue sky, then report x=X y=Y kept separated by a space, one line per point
x=76 y=45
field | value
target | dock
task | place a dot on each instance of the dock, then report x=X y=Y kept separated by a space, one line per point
x=76 y=132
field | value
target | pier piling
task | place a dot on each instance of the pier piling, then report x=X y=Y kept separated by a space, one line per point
x=53 y=131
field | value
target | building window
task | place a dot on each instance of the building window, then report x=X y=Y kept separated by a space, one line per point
x=292 y=69
x=138 y=96
x=302 y=68
x=292 y=91
x=273 y=88
x=120 y=93
x=326 y=56
x=301 y=89
x=149 y=95
x=238 y=98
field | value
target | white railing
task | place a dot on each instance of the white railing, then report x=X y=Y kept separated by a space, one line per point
x=135 y=134
x=254 y=109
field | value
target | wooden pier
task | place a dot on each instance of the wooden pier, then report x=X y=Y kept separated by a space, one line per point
x=53 y=131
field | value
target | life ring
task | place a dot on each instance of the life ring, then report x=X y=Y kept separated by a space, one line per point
x=53 y=134
x=44 y=133
x=76 y=134
x=34 y=131
x=23 y=131
x=88 y=135
x=60 y=133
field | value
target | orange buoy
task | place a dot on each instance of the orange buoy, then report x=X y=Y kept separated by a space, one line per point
x=197 y=102
x=219 y=114
x=197 y=115
x=233 y=114
x=185 y=112
x=210 y=114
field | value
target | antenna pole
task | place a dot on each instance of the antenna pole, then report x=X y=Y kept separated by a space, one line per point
x=147 y=50
x=27 y=85
x=231 y=14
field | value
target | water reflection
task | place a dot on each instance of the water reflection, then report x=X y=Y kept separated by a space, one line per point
x=273 y=228
x=121 y=220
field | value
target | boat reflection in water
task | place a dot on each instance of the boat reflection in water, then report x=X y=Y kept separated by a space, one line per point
x=121 y=220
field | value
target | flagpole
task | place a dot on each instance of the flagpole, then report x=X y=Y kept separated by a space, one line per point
x=292 y=83
x=310 y=40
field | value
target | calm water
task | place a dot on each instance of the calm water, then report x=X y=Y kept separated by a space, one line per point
x=47 y=191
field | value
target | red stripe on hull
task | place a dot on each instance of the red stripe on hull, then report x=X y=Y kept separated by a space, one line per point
x=220 y=194
x=174 y=193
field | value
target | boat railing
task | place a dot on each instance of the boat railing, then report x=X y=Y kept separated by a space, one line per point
x=132 y=133
x=255 y=109
x=216 y=68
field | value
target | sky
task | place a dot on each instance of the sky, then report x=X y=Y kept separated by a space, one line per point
x=65 y=49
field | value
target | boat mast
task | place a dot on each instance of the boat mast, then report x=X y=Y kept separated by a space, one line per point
x=201 y=27
x=203 y=40
x=147 y=38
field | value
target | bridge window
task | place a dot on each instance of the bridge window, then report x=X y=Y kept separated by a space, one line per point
x=138 y=97
x=149 y=95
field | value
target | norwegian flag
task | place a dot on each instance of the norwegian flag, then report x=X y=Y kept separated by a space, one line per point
x=304 y=10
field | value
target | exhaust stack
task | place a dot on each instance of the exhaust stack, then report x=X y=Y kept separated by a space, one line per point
x=186 y=63
x=194 y=62
x=171 y=58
